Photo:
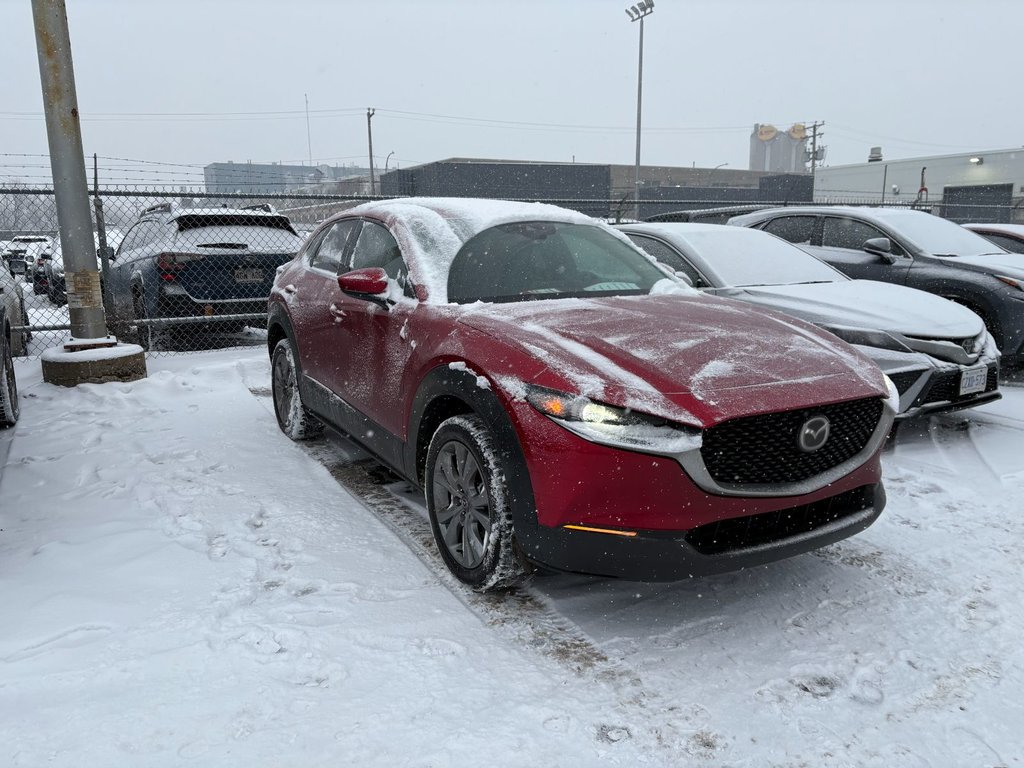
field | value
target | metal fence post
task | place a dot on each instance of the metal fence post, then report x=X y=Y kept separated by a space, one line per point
x=67 y=160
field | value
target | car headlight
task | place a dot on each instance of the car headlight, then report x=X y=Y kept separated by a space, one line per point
x=867 y=337
x=611 y=425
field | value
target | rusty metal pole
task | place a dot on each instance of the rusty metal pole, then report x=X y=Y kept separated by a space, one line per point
x=67 y=161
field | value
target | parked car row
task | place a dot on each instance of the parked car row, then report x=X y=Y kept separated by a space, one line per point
x=914 y=249
x=22 y=253
x=937 y=353
x=647 y=401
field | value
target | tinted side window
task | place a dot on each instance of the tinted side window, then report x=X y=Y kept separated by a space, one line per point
x=331 y=251
x=667 y=256
x=847 y=233
x=795 y=229
x=1009 y=243
x=376 y=247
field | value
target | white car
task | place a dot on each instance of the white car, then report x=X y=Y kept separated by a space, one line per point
x=22 y=252
x=937 y=353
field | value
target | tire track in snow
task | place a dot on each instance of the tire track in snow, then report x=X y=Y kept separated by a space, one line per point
x=519 y=614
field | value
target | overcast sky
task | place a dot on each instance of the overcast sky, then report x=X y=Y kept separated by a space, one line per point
x=158 y=79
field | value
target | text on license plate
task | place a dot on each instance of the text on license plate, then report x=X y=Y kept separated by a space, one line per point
x=973 y=380
x=249 y=275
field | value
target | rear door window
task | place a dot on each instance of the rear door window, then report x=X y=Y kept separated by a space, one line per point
x=796 y=229
x=843 y=232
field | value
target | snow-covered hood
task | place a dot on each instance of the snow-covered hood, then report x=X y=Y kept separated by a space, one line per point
x=695 y=359
x=869 y=304
x=1009 y=264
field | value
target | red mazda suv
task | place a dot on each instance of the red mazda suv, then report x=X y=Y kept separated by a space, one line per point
x=564 y=401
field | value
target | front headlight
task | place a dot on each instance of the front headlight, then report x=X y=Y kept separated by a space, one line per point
x=867 y=338
x=611 y=425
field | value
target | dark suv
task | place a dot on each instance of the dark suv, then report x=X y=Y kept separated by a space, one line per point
x=911 y=248
x=187 y=263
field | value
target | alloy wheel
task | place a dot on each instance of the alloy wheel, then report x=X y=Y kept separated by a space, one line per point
x=462 y=504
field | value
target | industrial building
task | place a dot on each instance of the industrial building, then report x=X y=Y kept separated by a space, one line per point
x=595 y=189
x=969 y=186
x=272 y=178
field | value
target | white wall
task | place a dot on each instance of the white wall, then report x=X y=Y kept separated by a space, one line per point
x=863 y=181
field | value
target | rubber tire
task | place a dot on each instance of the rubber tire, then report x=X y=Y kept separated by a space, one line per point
x=294 y=419
x=501 y=567
x=9 y=408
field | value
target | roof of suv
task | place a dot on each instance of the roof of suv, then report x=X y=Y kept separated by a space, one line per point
x=861 y=211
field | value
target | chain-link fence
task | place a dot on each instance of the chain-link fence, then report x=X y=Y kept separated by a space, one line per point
x=186 y=270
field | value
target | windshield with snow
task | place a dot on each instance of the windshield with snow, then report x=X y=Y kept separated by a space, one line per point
x=748 y=257
x=543 y=260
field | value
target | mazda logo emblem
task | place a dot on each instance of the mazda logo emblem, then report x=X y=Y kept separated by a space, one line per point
x=813 y=434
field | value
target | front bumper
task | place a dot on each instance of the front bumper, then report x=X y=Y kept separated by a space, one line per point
x=715 y=547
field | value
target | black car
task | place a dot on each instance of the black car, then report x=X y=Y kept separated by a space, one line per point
x=912 y=248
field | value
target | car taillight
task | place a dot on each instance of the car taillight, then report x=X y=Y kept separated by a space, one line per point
x=170 y=264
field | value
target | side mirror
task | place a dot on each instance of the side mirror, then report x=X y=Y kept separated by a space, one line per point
x=881 y=247
x=370 y=284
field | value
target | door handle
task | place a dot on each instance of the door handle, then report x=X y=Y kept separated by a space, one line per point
x=337 y=312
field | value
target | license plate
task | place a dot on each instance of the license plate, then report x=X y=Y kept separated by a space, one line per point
x=248 y=275
x=973 y=380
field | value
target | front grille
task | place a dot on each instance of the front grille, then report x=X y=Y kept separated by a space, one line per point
x=946 y=386
x=764 y=449
x=768 y=527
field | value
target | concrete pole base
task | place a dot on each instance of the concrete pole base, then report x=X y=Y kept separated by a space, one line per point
x=124 y=362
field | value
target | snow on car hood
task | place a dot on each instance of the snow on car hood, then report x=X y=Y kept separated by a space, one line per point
x=869 y=304
x=694 y=359
x=1009 y=264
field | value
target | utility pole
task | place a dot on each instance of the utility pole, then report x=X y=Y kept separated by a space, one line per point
x=67 y=161
x=369 y=136
x=309 y=141
x=77 y=362
x=814 y=144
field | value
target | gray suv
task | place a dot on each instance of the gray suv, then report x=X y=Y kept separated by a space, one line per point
x=915 y=249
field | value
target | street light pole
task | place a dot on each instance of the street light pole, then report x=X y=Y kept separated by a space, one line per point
x=369 y=137
x=639 y=12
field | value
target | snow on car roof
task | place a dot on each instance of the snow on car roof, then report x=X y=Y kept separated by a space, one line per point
x=432 y=229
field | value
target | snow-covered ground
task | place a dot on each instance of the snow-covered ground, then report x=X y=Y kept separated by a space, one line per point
x=184 y=586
